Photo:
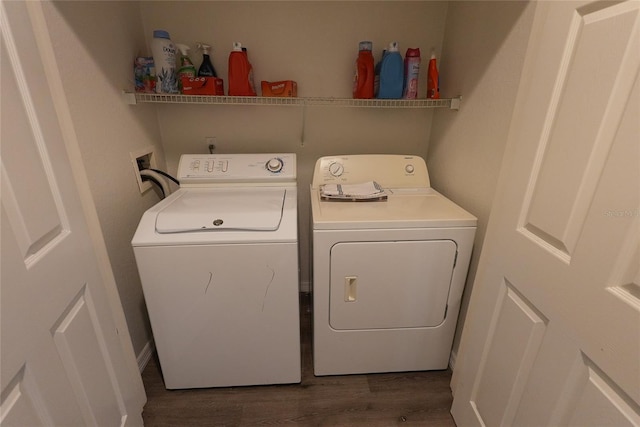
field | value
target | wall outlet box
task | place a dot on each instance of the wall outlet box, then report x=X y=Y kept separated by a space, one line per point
x=143 y=159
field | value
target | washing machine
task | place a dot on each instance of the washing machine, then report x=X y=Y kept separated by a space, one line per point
x=218 y=261
x=390 y=257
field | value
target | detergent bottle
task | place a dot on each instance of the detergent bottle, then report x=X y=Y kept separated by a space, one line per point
x=433 y=80
x=391 y=73
x=206 y=68
x=240 y=72
x=411 y=72
x=164 y=58
x=363 y=80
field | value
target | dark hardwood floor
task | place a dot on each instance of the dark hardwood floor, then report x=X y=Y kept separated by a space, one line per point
x=407 y=398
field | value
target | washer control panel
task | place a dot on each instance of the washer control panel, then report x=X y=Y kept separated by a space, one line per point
x=199 y=169
x=388 y=170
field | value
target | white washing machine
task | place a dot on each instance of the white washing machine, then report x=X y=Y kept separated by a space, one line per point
x=388 y=273
x=218 y=260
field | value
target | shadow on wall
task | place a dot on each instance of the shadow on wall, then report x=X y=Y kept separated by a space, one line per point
x=475 y=33
x=97 y=34
x=483 y=54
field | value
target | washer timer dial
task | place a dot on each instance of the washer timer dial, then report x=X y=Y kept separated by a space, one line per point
x=336 y=169
x=275 y=165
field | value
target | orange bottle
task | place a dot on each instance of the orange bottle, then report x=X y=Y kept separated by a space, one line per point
x=240 y=73
x=433 y=80
x=364 y=76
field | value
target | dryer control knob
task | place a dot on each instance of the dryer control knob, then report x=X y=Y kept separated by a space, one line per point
x=275 y=165
x=336 y=169
x=409 y=169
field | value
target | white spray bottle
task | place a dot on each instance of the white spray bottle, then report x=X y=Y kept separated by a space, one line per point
x=187 y=69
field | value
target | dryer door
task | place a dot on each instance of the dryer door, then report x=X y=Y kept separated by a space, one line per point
x=391 y=284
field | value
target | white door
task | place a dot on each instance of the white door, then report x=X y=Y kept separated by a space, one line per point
x=66 y=358
x=553 y=332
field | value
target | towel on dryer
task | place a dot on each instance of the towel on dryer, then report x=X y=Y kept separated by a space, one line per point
x=366 y=191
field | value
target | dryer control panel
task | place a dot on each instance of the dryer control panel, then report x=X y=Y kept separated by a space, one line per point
x=388 y=170
x=209 y=169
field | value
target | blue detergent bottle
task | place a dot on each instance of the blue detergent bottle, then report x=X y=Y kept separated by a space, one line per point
x=391 y=73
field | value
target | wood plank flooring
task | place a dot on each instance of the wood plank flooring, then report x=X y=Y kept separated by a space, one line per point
x=407 y=398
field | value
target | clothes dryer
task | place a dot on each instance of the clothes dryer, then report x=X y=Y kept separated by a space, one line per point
x=388 y=267
x=218 y=261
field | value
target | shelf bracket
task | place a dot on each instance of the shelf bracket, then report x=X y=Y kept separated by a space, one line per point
x=129 y=97
x=455 y=103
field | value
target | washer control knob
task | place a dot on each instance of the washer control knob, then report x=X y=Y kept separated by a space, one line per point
x=409 y=168
x=275 y=165
x=336 y=169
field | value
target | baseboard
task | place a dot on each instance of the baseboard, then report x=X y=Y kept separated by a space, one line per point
x=452 y=359
x=145 y=355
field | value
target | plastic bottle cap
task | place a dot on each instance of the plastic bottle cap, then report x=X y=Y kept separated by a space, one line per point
x=365 y=45
x=237 y=46
x=413 y=52
x=393 y=47
x=184 y=49
x=160 y=34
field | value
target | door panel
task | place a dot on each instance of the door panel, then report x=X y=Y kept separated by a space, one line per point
x=564 y=236
x=80 y=343
x=22 y=402
x=27 y=164
x=573 y=147
x=599 y=400
x=517 y=330
x=66 y=360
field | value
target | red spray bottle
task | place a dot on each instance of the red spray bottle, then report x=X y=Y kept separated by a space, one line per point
x=433 y=80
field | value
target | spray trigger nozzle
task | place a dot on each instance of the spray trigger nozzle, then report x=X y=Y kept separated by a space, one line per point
x=183 y=48
x=204 y=47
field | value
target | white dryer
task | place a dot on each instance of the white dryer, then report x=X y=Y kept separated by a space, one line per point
x=388 y=274
x=218 y=260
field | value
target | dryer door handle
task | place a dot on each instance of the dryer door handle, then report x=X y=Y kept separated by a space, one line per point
x=350 y=288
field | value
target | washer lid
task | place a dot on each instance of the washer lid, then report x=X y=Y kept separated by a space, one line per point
x=250 y=209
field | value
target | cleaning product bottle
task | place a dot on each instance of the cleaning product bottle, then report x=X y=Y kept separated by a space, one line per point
x=391 y=73
x=240 y=73
x=433 y=80
x=164 y=58
x=186 y=66
x=411 y=72
x=363 y=80
x=206 y=68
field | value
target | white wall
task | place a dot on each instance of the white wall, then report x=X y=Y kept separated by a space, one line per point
x=482 y=58
x=95 y=45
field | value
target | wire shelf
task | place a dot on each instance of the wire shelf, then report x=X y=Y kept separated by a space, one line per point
x=135 y=98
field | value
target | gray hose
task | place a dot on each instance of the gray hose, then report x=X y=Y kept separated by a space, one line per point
x=166 y=189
